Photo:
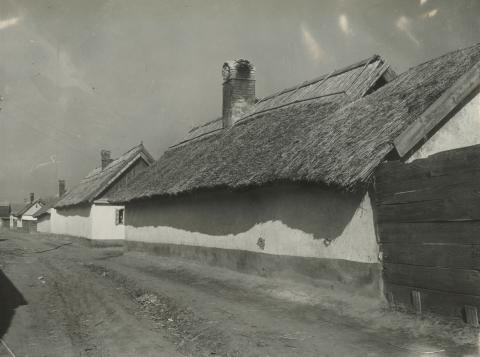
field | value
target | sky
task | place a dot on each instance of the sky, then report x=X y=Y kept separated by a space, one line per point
x=80 y=76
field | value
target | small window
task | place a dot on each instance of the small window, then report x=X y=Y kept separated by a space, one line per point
x=120 y=216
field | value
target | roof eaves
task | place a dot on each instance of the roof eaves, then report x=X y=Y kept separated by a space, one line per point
x=126 y=166
x=438 y=111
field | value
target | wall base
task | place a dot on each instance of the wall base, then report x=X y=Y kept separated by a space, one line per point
x=106 y=243
x=94 y=243
x=360 y=278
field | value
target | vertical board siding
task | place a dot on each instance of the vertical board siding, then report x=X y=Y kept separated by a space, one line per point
x=428 y=225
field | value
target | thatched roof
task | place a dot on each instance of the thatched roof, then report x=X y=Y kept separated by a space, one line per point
x=332 y=140
x=26 y=207
x=98 y=180
x=362 y=133
x=350 y=82
x=15 y=208
x=49 y=203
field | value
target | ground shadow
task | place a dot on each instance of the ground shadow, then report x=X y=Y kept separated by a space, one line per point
x=10 y=299
x=313 y=209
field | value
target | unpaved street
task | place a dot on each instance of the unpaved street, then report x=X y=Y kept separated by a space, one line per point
x=62 y=298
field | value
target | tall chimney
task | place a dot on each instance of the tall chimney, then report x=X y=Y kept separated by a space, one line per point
x=32 y=197
x=105 y=157
x=238 y=90
x=61 y=188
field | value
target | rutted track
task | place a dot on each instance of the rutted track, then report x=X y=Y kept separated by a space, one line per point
x=100 y=302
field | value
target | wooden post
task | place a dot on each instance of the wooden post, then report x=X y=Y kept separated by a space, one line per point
x=417 y=302
x=471 y=315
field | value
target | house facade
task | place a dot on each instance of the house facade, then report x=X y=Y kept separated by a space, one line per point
x=224 y=193
x=285 y=186
x=23 y=218
x=43 y=215
x=81 y=211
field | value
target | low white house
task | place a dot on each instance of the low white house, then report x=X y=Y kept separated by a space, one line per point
x=24 y=218
x=43 y=215
x=81 y=212
x=43 y=219
x=233 y=192
x=285 y=187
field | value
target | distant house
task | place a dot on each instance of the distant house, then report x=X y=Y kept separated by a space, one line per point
x=284 y=186
x=23 y=219
x=81 y=211
x=5 y=210
x=44 y=214
x=14 y=209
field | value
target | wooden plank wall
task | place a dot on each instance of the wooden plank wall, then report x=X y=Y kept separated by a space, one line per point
x=428 y=224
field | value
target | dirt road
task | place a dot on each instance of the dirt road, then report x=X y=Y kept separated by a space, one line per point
x=61 y=298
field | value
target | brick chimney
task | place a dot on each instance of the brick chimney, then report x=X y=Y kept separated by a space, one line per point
x=32 y=197
x=105 y=157
x=238 y=90
x=61 y=188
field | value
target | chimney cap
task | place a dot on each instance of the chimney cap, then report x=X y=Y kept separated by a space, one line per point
x=105 y=158
x=61 y=188
x=239 y=69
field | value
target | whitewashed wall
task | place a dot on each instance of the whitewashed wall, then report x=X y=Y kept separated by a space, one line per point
x=27 y=216
x=462 y=130
x=103 y=223
x=74 y=221
x=43 y=224
x=304 y=222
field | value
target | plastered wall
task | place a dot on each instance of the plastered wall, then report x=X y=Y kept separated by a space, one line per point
x=43 y=224
x=103 y=223
x=462 y=130
x=73 y=221
x=305 y=221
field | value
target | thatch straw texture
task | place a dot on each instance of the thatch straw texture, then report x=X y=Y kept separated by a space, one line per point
x=360 y=135
x=353 y=81
x=98 y=180
x=26 y=207
x=49 y=203
x=330 y=140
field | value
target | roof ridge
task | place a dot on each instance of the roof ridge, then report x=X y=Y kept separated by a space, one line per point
x=204 y=124
x=441 y=56
x=201 y=136
x=365 y=64
x=28 y=206
x=98 y=180
x=336 y=72
x=92 y=175
x=335 y=145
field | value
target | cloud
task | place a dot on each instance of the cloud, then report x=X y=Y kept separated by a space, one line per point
x=9 y=22
x=405 y=25
x=70 y=76
x=344 y=24
x=311 y=44
x=430 y=14
x=53 y=160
